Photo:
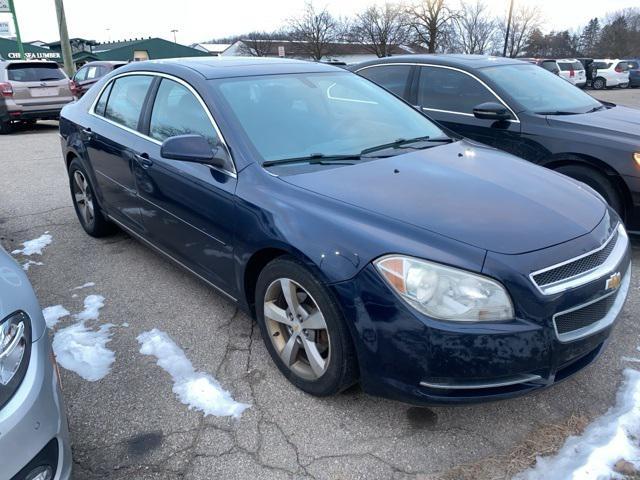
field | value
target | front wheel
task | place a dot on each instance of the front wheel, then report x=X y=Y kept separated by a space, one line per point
x=89 y=212
x=304 y=329
x=5 y=127
x=599 y=83
x=598 y=181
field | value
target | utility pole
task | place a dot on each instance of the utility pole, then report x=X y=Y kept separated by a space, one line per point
x=506 y=37
x=65 y=46
x=17 y=29
x=174 y=31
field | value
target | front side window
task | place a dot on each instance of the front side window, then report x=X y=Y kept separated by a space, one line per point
x=540 y=91
x=392 y=77
x=602 y=65
x=81 y=75
x=330 y=113
x=126 y=99
x=176 y=111
x=451 y=90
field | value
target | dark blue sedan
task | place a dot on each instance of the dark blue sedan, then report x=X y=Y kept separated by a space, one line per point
x=370 y=244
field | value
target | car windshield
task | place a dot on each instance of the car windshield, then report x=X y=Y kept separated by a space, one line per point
x=540 y=91
x=320 y=115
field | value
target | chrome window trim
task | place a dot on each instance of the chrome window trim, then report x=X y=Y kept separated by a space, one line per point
x=604 y=322
x=233 y=173
x=583 y=278
x=160 y=250
x=516 y=119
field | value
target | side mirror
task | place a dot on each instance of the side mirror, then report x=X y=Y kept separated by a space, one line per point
x=194 y=148
x=492 y=111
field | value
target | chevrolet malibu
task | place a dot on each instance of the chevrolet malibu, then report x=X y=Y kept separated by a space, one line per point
x=369 y=243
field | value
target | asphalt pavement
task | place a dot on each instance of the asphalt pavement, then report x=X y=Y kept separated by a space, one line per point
x=130 y=425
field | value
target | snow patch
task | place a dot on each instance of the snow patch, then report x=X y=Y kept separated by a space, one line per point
x=198 y=390
x=28 y=263
x=86 y=285
x=52 y=315
x=125 y=324
x=82 y=350
x=35 y=246
x=92 y=306
x=610 y=438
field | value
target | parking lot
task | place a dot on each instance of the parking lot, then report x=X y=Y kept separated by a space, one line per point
x=130 y=425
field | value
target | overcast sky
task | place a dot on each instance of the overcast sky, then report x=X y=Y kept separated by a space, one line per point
x=200 y=20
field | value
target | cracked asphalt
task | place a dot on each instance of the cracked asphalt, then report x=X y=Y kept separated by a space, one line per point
x=130 y=425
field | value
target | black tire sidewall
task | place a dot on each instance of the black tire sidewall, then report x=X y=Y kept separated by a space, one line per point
x=100 y=226
x=599 y=182
x=341 y=372
x=599 y=81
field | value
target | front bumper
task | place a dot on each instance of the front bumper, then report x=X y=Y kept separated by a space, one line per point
x=407 y=356
x=33 y=425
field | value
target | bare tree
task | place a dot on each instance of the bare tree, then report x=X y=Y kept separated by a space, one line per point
x=257 y=44
x=475 y=28
x=315 y=31
x=524 y=21
x=429 y=20
x=379 y=28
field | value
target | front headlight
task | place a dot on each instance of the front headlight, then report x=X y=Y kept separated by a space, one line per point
x=446 y=293
x=15 y=348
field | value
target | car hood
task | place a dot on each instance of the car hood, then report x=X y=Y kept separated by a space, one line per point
x=471 y=193
x=622 y=121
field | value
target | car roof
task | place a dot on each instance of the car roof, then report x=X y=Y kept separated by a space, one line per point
x=450 y=60
x=106 y=62
x=224 y=67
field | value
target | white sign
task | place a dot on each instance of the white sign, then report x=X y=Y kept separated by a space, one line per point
x=5 y=31
x=4 y=6
x=281 y=51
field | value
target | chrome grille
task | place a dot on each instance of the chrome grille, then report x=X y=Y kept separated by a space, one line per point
x=577 y=267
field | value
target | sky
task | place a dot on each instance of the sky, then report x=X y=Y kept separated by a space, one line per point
x=201 y=20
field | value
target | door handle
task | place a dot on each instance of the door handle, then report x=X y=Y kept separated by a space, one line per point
x=144 y=160
x=87 y=133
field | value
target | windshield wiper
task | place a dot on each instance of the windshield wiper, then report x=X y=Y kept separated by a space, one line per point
x=314 y=159
x=401 y=142
x=596 y=109
x=557 y=112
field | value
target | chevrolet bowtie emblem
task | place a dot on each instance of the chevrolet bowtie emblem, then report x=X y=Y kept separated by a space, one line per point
x=613 y=281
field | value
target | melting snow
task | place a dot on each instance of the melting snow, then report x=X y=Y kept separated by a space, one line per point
x=86 y=285
x=53 y=314
x=28 y=263
x=34 y=246
x=196 y=389
x=82 y=350
x=92 y=306
x=610 y=438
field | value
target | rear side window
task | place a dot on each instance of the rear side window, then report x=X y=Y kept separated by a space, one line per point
x=622 y=66
x=34 y=72
x=451 y=90
x=633 y=65
x=602 y=65
x=81 y=75
x=102 y=102
x=392 y=77
x=176 y=111
x=126 y=99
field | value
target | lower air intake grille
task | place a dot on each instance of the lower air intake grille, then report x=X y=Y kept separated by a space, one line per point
x=585 y=316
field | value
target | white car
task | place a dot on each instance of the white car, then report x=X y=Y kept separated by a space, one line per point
x=610 y=73
x=572 y=71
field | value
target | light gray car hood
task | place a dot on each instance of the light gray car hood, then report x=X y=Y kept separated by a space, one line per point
x=16 y=293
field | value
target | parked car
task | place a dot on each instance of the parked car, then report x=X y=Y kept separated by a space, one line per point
x=90 y=73
x=572 y=71
x=549 y=64
x=34 y=440
x=31 y=91
x=370 y=243
x=523 y=110
x=610 y=73
x=634 y=72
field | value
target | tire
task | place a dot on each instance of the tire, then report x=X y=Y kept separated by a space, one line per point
x=599 y=83
x=89 y=213
x=598 y=181
x=333 y=343
x=623 y=85
x=5 y=127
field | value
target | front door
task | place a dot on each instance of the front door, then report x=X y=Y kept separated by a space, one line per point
x=449 y=96
x=187 y=208
x=111 y=146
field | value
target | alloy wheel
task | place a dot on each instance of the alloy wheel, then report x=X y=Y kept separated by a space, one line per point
x=297 y=328
x=83 y=197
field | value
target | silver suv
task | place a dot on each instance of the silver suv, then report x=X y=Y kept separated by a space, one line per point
x=31 y=91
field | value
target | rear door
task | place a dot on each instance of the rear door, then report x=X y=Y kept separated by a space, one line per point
x=38 y=85
x=449 y=96
x=112 y=143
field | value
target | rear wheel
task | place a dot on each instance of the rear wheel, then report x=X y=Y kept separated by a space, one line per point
x=598 y=181
x=624 y=85
x=89 y=212
x=599 y=83
x=5 y=127
x=303 y=329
